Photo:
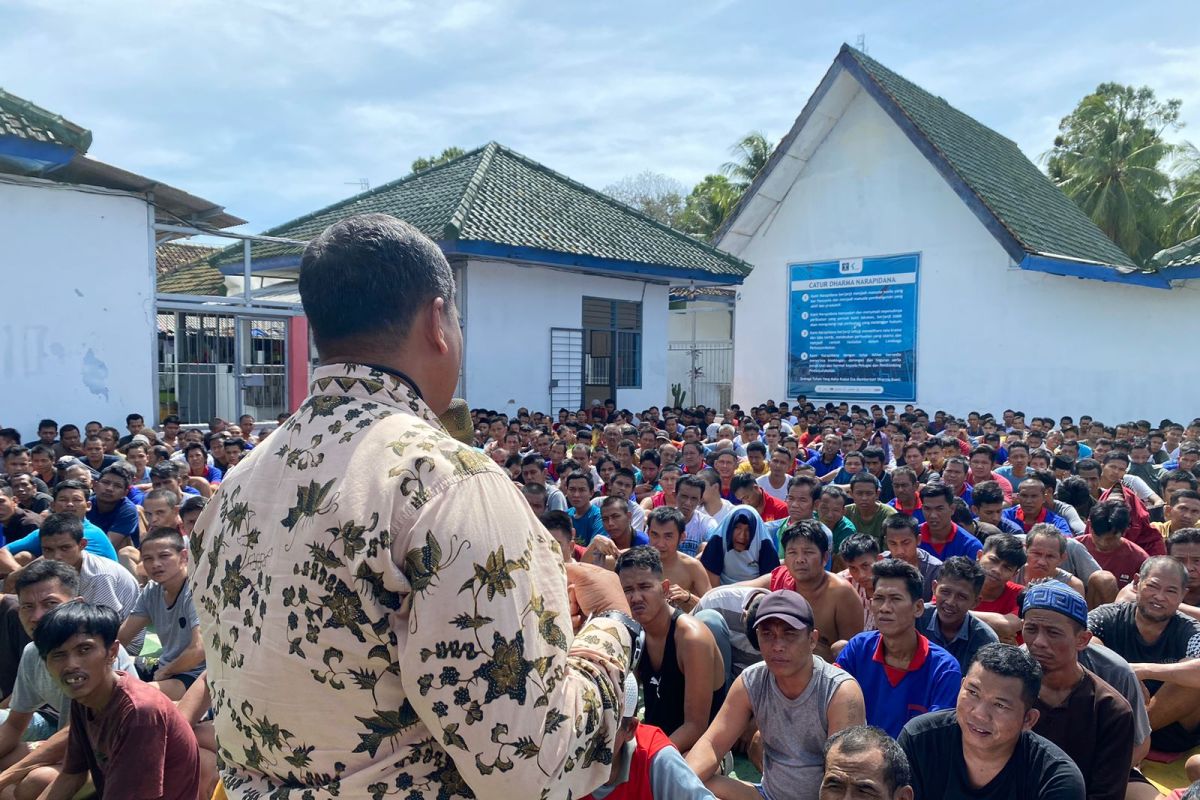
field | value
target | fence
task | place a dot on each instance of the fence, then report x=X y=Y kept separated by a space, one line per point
x=713 y=365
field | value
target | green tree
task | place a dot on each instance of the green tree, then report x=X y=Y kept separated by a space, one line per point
x=450 y=153
x=1109 y=157
x=1184 y=208
x=750 y=153
x=656 y=195
x=709 y=204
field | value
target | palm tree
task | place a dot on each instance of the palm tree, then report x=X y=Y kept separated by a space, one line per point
x=709 y=204
x=1185 y=205
x=750 y=155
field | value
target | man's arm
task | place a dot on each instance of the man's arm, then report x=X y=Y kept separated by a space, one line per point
x=488 y=660
x=191 y=657
x=1006 y=626
x=694 y=655
x=672 y=779
x=65 y=786
x=49 y=752
x=846 y=708
x=705 y=756
x=847 y=613
x=131 y=627
x=12 y=730
x=1184 y=673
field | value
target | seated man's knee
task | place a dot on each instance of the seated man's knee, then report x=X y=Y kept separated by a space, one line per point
x=33 y=784
x=23 y=558
x=1192 y=767
x=837 y=647
x=1101 y=588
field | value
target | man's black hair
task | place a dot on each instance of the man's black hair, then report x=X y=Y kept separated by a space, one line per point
x=121 y=470
x=385 y=270
x=652 y=456
x=1010 y=661
x=171 y=419
x=1109 y=516
x=937 y=489
x=167 y=470
x=864 y=477
x=135 y=417
x=809 y=529
x=623 y=472
x=558 y=521
x=1180 y=476
x=1007 y=548
x=664 y=515
x=78 y=616
x=47 y=423
x=582 y=475
x=858 y=545
x=1183 y=536
x=967 y=570
x=236 y=441
x=57 y=524
x=756 y=447
x=170 y=535
x=533 y=459
x=986 y=493
x=895 y=568
x=45 y=569
x=190 y=446
x=742 y=480
x=14 y=450
x=863 y=738
x=901 y=520
x=63 y=485
x=641 y=557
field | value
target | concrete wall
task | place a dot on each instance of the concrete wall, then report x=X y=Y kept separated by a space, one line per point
x=510 y=310
x=990 y=336
x=77 y=333
x=713 y=322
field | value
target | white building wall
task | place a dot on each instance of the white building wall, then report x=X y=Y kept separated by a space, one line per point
x=713 y=322
x=77 y=333
x=510 y=310
x=990 y=336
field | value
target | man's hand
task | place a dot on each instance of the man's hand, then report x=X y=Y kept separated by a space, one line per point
x=163 y=674
x=600 y=550
x=592 y=590
x=679 y=597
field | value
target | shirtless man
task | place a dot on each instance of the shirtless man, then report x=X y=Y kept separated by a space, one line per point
x=687 y=576
x=837 y=611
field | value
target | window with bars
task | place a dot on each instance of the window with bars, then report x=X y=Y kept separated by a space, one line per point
x=614 y=341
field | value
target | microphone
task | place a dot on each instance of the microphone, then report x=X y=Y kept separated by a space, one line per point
x=456 y=419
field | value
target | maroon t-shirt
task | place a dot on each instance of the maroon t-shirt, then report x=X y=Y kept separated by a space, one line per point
x=1124 y=562
x=140 y=745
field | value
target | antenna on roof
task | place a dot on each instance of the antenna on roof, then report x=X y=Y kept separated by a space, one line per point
x=363 y=184
x=860 y=44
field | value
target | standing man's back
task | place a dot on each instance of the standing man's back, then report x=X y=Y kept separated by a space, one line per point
x=379 y=604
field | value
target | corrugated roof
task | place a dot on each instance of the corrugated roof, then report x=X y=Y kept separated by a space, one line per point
x=23 y=119
x=495 y=195
x=185 y=269
x=1184 y=254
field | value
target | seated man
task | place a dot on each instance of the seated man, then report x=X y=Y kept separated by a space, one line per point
x=831 y=511
x=906 y=501
x=834 y=602
x=940 y=536
x=614 y=516
x=686 y=575
x=584 y=516
x=101 y=581
x=949 y=622
x=645 y=763
x=983 y=747
x=1117 y=556
x=166 y=602
x=39 y=709
x=15 y=521
x=859 y=553
x=864 y=762
x=126 y=735
x=560 y=527
x=901 y=673
x=1077 y=711
x=70 y=497
x=1045 y=550
x=1001 y=558
x=682 y=670
x=1182 y=511
x=1151 y=631
x=113 y=512
x=698 y=526
x=745 y=489
x=902 y=540
x=741 y=550
x=866 y=513
x=796 y=698
x=1031 y=508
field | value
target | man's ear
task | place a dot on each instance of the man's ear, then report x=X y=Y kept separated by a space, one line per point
x=1031 y=718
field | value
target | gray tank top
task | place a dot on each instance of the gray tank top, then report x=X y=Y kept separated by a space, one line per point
x=793 y=731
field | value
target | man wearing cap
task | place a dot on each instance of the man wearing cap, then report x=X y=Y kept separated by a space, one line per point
x=797 y=699
x=645 y=764
x=1077 y=711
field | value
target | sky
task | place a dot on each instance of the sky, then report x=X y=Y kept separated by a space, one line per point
x=277 y=108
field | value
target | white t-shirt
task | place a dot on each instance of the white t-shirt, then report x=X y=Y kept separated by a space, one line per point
x=764 y=483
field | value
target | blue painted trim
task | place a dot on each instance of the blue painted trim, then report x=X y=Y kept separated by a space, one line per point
x=1181 y=273
x=1003 y=235
x=1095 y=272
x=41 y=156
x=559 y=259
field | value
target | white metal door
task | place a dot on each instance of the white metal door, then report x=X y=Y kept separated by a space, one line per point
x=566 y=369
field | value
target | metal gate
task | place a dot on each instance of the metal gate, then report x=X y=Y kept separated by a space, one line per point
x=221 y=365
x=566 y=369
x=704 y=370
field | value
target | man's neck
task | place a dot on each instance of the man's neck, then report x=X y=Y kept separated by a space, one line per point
x=906 y=502
x=172 y=586
x=949 y=631
x=583 y=509
x=1149 y=629
x=99 y=701
x=1061 y=681
x=104 y=507
x=991 y=590
x=941 y=535
x=901 y=647
x=814 y=585
x=795 y=685
x=656 y=627
x=712 y=506
x=868 y=516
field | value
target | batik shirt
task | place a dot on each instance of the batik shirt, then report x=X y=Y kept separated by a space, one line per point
x=384 y=616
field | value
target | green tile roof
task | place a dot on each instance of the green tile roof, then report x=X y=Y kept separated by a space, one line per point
x=1023 y=199
x=1184 y=254
x=185 y=269
x=495 y=195
x=21 y=118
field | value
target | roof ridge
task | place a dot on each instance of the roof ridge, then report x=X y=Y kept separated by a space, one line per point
x=459 y=215
x=383 y=187
x=75 y=136
x=733 y=260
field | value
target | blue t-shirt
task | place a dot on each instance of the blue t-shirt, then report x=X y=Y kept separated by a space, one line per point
x=894 y=696
x=1051 y=519
x=587 y=526
x=97 y=542
x=123 y=519
x=822 y=469
x=960 y=544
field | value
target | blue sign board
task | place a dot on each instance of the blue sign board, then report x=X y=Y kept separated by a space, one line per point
x=853 y=329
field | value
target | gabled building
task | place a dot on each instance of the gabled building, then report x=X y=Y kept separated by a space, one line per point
x=904 y=251
x=562 y=291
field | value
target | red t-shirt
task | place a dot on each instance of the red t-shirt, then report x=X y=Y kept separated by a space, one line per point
x=1124 y=562
x=773 y=508
x=139 y=745
x=650 y=741
x=782 y=579
x=1006 y=603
